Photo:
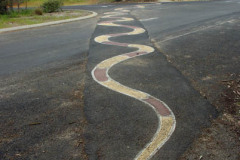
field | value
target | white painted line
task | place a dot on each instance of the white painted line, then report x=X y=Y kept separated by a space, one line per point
x=47 y=23
x=174 y=37
x=198 y=30
x=148 y=19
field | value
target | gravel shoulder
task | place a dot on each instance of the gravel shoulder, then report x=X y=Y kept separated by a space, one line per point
x=209 y=58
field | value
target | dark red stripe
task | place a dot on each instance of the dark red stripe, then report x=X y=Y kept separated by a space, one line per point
x=116 y=44
x=101 y=74
x=160 y=107
x=134 y=54
x=105 y=22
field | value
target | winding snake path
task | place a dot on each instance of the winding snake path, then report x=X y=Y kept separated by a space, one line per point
x=166 y=118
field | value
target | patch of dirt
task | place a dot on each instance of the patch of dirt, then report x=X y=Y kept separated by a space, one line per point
x=223 y=137
x=71 y=13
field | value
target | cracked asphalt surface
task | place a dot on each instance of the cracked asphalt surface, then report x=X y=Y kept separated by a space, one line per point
x=51 y=108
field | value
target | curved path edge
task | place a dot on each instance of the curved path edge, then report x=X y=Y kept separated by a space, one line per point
x=166 y=118
x=48 y=23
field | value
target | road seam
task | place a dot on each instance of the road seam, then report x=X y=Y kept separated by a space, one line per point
x=48 y=23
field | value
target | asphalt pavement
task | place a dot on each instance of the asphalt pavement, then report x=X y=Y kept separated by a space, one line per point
x=51 y=108
x=26 y=49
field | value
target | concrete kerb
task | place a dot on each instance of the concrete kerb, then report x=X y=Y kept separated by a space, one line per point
x=48 y=23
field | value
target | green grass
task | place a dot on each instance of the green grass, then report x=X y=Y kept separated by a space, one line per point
x=37 y=3
x=27 y=17
x=238 y=104
x=16 y=14
x=9 y=19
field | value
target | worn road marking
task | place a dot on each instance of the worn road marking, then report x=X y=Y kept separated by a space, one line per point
x=140 y=6
x=166 y=118
x=196 y=30
x=148 y=19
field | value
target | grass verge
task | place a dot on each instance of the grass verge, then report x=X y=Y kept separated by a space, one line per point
x=37 y=3
x=28 y=17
